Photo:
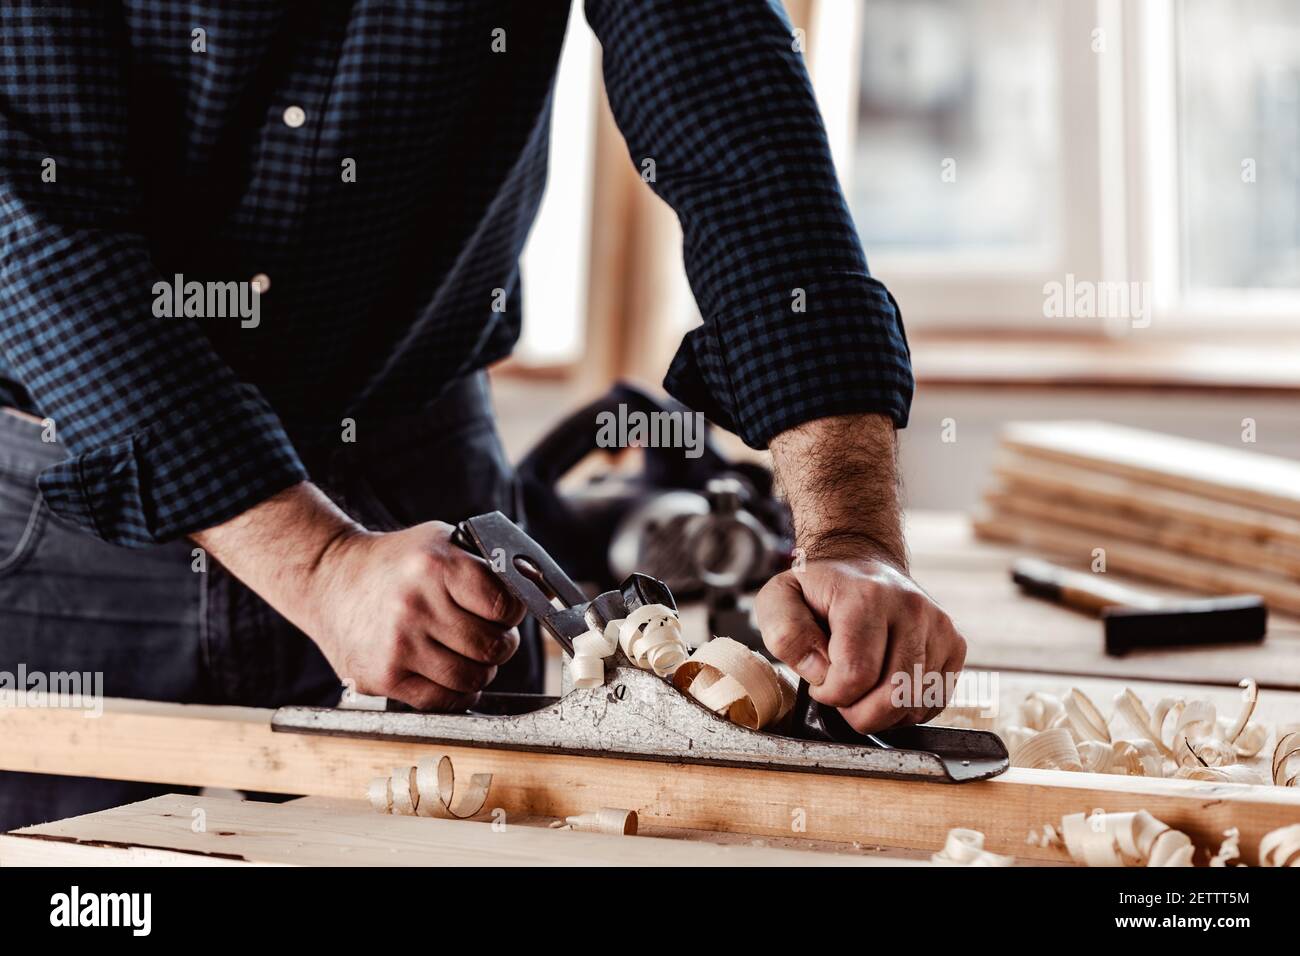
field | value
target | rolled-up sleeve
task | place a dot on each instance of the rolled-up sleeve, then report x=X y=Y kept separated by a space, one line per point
x=163 y=438
x=718 y=113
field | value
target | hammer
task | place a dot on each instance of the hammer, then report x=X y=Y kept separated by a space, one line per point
x=1133 y=618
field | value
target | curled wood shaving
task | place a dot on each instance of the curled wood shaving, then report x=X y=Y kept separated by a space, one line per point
x=1229 y=849
x=1288 y=746
x=611 y=820
x=964 y=847
x=735 y=682
x=405 y=796
x=1048 y=750
x=1232 y=773
x=1281 y=847
x=436 y=782
x=380 y=794
x=427 y=790
x=1123 y=839
x=651 y=637
x=1179 y=738
x=589 y=652
x=1085 y=719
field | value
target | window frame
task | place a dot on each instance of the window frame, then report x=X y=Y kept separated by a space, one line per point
x=1120 y=193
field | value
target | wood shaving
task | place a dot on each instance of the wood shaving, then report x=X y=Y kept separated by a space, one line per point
x=436 y=782
x=589 y=652
x=1288 y=747
x=428 y=790
x=1179 y=738
x=1229 y=849
x=651 y=637
x=735 y=682
x=611 y=820
x=1048 y=750
x=1281 y=847
x=405 y=796
x=1119 y=839
x=964 y=847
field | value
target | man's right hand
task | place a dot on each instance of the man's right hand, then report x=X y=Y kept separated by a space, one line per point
x=406 y=614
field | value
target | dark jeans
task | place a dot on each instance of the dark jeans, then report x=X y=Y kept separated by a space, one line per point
x=157 y=629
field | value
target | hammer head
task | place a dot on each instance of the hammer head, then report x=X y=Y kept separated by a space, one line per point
x=1237 y=619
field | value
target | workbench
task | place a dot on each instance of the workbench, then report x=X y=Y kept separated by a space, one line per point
x=690 y=814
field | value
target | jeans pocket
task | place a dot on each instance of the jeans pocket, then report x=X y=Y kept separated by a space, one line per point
x=22 y=519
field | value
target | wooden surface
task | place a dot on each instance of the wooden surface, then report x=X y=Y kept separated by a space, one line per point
x=235 y=748
x=1006 y=630
x=162 y=832
x=1236 y=475
x=1001 y=359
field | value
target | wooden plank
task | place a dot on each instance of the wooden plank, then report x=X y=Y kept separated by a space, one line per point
x=1139 y=500
x=159 y=832
x=1138 y=559
x=1215 y=471
x=235 y=748
x=1139 y=528
x=1009 y=631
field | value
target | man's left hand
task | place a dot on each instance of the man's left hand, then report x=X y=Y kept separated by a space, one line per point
x=880 y=623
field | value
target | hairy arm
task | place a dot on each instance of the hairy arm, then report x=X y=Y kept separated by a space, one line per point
x=849 y=618
x=840 y=476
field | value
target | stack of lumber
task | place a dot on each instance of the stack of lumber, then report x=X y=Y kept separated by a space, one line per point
x=1186 y=513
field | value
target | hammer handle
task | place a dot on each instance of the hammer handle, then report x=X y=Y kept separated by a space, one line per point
x=1090 y=593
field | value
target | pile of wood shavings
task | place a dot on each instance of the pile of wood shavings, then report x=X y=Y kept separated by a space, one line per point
x=1179 y=738
x=1131 y=839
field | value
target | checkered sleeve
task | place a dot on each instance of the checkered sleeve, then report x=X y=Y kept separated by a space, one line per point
x=163 y=439
x=718 y=113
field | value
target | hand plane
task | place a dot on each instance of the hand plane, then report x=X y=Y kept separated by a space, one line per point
x=636 y=714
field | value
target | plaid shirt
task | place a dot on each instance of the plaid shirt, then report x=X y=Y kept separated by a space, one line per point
x=129 y=155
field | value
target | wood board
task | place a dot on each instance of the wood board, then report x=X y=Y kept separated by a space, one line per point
x=1084 y=487
x=1173 y=537
x=162 y=832
x=235 y=748
x=1131 y=557
x=1235 y=475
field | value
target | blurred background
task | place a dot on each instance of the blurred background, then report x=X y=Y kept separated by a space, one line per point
x=992 y=151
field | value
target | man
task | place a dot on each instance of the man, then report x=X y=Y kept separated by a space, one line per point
x=371 y=170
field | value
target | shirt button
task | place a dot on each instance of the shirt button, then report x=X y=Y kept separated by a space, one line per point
x=260 y=283
x=294 y=116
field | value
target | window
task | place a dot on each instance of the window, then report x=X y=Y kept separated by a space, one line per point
x=1238 y=89
x=992 y=147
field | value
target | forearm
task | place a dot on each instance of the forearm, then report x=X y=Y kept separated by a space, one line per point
x=277 y=547
x=840 y=477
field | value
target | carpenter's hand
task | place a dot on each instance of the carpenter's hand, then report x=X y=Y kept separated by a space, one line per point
x=410 y=615
x=880 y=624
x=405 y=614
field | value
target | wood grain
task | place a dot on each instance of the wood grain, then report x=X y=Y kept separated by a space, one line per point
x=1138 y=559
x=235 y=748
x=160 y=832
x=1166 y=461
x=1138 y=500
x=1170 y=536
